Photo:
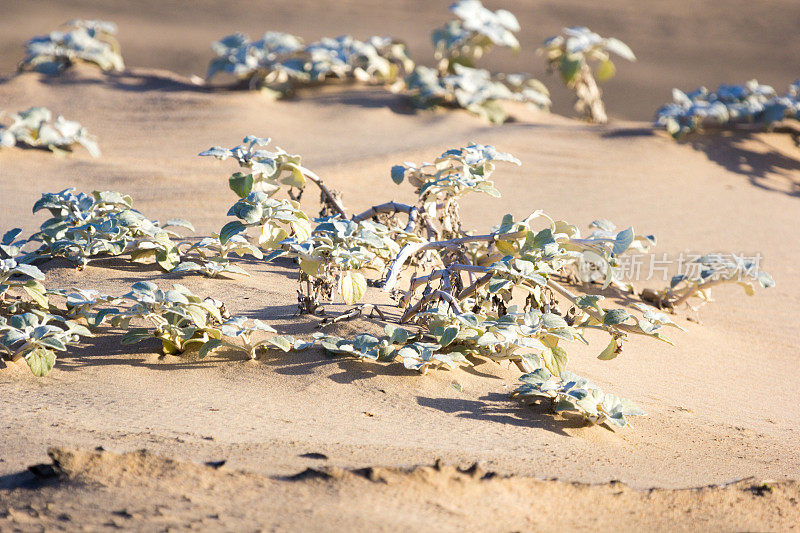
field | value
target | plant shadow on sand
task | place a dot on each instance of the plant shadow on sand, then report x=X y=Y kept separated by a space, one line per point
x=151 y=80
x=624 y=133
x=497 y=407
x=753 y=157
x=741 y=152
x=352 y=95
x=493 y=407
x=131 y=80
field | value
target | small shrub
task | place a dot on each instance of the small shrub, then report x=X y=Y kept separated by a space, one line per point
x=457 y=82
x=17 y=278
x=748 y=106
x=270 y=170
x=476 y=90
x=85 y=226
x=333 y=259
x=714 y=269
x=570 y=392
x=36 y=128
x=279 y=63
x=571 y=55
x=453 y=174
x=90 y=41
x=178 y=318
x=465 y=40
x=213 y=268
x=503 y=296
x=36 y=336
x=248 y=332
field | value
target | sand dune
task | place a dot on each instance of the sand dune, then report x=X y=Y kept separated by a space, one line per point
x=722 y=404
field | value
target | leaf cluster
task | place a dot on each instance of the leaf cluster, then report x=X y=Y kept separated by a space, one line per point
x=457 y=82
x=36 y=336
x=712 y=270
x=35 y=127
x=268 y=170
x=569 y=392
x=440 y=184
x=279 y=63
x=85 y=226
x=572 y=53
x=89 y=41
x=569 y=52
x=728 y=107
x=477 y=29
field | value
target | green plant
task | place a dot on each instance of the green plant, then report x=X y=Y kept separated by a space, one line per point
x=570 y=392
x=275 y=219
x=247 y=332
x=502 y=296
x=213 y=247
x=333 y=258
x=457 y=82
x=440 y=184
x=84 y=303
x=571 y=55
x=36 y=128
x=714 y=269
x=82 y=227
x=279 y=63
x=270 y=170
x=465 y=40
x=178 y=318
x=15 y=276
x=18 y=278
x=751 y=106
x=90 y=41
x=36 y=336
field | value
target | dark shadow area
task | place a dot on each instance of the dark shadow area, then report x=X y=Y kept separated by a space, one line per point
x=121 y=263
x=155 y=81
x=137 y=80
x=353 y=95
x=25 y=480
x=107 y=350
x=765 y=168
x=497 y=407
x=352 y=370
x=626 y=133
x=25 y=146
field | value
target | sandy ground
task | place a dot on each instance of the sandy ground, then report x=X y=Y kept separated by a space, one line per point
x=680 y=43
x=722 y=404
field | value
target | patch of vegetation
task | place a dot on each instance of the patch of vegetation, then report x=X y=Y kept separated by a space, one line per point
x=36 y=128
x=88 y=41
x=749 y=107
x=572 y=54
x=82 y=227
x=502 y=296
x=279 y=63
x=457 y=82
x=36 y=336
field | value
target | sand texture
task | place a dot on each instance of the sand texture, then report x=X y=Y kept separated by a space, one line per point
x=722 y=404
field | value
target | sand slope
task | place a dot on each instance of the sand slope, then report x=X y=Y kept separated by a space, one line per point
x=681 y=43
x=721 y=404
x=142 y=491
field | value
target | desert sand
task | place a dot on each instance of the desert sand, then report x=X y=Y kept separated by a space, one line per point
x=720 y=447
